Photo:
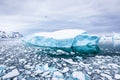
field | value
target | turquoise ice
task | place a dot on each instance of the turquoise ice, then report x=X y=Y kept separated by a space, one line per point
x=2 y=67
x=70 y=40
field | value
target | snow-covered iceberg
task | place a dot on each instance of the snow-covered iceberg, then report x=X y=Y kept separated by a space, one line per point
x=71 y=40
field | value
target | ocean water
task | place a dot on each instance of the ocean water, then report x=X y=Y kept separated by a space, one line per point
x=19 y=61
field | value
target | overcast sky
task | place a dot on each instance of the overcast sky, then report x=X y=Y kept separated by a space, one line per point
x=28 y=16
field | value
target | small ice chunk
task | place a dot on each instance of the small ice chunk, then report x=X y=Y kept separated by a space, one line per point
x=45 y=73
x=107 y=76
x=11 y=67
x=45 y=68
x=28 y=66
x=113 y=65
x=2 y=67
x=38 y=71
x=11 y=74
x=15 y=78
x=22 y=60
x=27 y=72
x=66 y=69
x=78 y=75
x=70 y=61
x=57 y=76
x=23 y=79
x=117 y=76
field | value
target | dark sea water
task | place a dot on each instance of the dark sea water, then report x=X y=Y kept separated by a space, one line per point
x=19 y=61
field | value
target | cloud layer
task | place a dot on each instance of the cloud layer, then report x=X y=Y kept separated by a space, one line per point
x=49 y=15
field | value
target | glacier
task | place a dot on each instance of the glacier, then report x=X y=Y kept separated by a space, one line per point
x=69 y=40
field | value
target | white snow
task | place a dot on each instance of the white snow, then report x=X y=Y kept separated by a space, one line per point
x=62 y=34
x=11 y=74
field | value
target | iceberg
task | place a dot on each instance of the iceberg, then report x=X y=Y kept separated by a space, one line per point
x=70 y=40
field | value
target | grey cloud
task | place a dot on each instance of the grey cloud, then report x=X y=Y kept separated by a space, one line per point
x=49 y=15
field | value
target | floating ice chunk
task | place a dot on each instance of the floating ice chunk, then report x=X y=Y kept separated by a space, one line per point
x=78 y=75
x=57 y=76
x=70 y=61
x=27 y=72
x=11 y=67
x=113 y=65
x=2 y=67
x=11 y=74
x=87 y=77
x=45 y=68
x=27 y=66
x=22 y=60
x=117 y=76
x=15 y=78
x=45 y=73
x=69 y=40
x=66 y=69
x=107 y=76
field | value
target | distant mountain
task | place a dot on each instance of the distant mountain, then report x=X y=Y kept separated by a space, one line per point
x=4 y=34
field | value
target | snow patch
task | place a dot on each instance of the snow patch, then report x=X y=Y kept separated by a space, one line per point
x=62 y=34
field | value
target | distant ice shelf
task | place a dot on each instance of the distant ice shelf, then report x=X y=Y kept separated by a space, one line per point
x=7 y=35
x=113 y=39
